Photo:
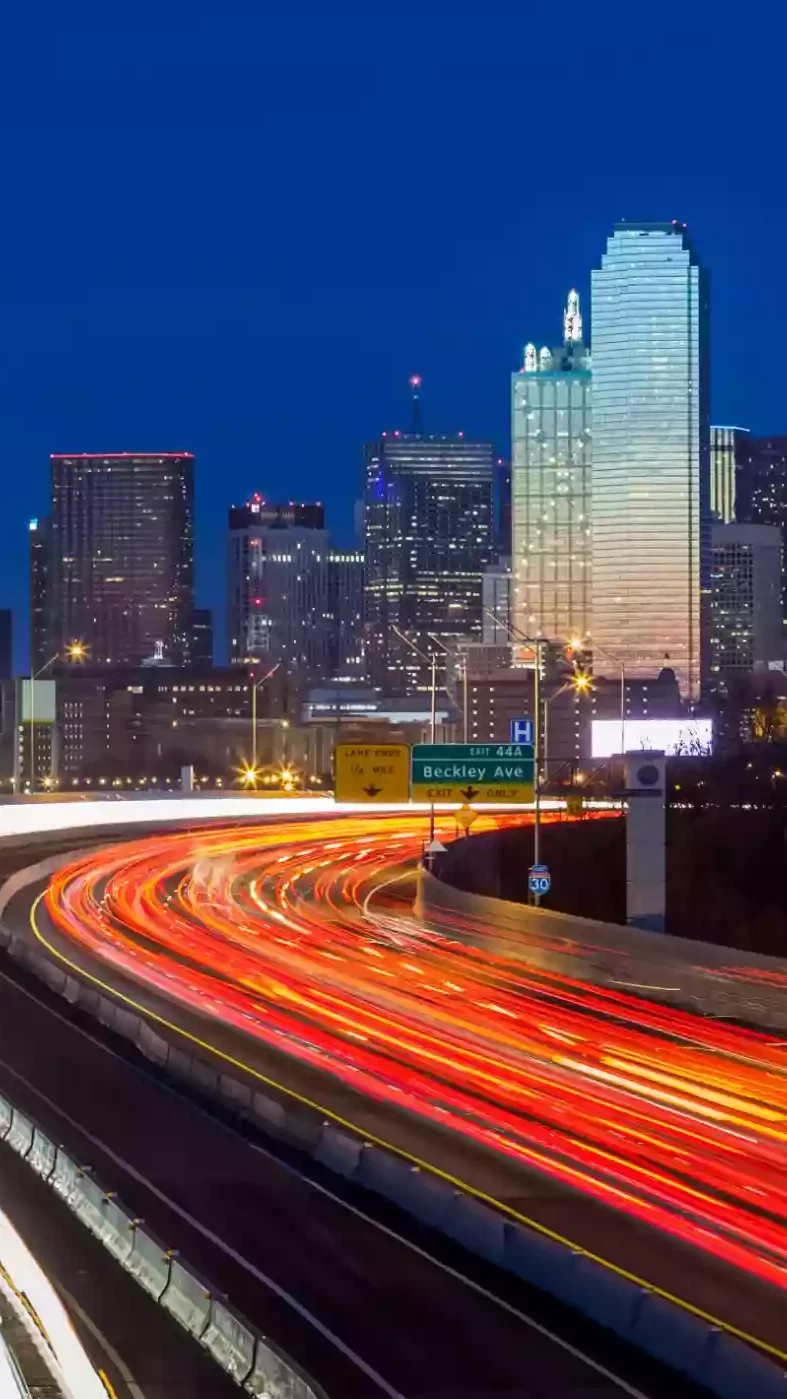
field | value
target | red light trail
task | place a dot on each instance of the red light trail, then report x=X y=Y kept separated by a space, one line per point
x=677 y=1120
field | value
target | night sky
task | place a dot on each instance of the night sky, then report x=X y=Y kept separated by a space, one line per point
x=236 y=228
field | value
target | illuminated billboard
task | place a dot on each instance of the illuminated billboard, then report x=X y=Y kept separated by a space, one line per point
x=37 y=701
x=688 y=737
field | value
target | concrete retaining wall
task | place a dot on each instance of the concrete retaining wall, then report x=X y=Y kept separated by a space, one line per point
x=698 y=976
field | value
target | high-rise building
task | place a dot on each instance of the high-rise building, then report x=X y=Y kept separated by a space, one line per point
x=762 y=490
x=727 y=455
x=429 y=513
x=651 y=467
x=120 y=570
x=39 y=594
x=551 y=434
x=496 y=600
x=346 y=646
x=202 y=638
x=746 y=612
x=277 y=587
x=6 y=643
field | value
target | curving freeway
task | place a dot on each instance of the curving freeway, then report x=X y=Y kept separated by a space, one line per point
x=296 y=935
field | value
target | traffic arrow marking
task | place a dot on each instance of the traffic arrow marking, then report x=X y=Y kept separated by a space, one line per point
x=468 y=793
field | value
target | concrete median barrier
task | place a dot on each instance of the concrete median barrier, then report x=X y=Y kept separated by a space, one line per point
x=236 y=1094
x=339 y=1151
x=187 y=1299
x=65 y=1177
x=149 y=1263
x=116 y=1229
x=88 y=1201
x=272 y=1379
x=152 y=1045
x=537 y=1259
x=43 y=1154
x=230 y=1343
x=270 y=1114
x=676 y=1337
x=6 y=1117
x=20 y=1133
x=477 y=1227
x=738 y=1372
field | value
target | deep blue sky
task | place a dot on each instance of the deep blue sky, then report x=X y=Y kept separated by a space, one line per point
x=237 y=227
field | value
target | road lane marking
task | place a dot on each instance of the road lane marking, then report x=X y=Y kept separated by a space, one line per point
x=435 y=1171
x=134 y=1390
x=251 y=1268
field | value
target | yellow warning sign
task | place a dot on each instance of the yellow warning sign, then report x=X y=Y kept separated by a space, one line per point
x=372 y=772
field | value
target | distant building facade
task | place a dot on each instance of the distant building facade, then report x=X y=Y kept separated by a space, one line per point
x=346 y=612
x=277 y=587
x=651 y=456
x=762 y=490
x=429 y=536
x=727 y=455
x=746 y=602
x=39 y=594
x=119 y=568
x=202 y=638
x=496 y=590
x=6 y=643
x=551 y=430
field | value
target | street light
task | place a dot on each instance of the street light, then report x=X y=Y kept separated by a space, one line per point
x=75 y=651
x=538 y=643
x=255 y=687
x=463 y=661
x=432 y=661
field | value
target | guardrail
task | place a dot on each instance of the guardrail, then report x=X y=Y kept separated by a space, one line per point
x=251 y=1359
x=712 y=1353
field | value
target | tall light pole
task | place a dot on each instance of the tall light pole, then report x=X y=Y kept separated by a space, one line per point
x=255 y=687
x=432 y=661
x=75 y=651
x=538 y=642
x=463 y=662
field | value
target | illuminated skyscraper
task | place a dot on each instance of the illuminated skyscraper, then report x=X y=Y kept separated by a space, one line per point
x=120 y=564
x=277 y=587
x=727 y=455
x=762 y=490
x=551 y=485
x=429 y=515
x=651 y=459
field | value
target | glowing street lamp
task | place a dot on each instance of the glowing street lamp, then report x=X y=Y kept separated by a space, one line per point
x=74 y=651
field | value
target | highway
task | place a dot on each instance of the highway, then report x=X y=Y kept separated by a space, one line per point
x=657 y=1133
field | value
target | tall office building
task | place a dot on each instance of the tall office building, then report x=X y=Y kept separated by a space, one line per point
x=120 y=566
x=762 y=490
x=727 y=455
x=551 y=486
x=6 y=643
x=277 y=587
x=496 y=600
x=202 y=638
x=346 y=602
x=429 y=516
x=746 y=614
x=39 y=594
x=651 y=467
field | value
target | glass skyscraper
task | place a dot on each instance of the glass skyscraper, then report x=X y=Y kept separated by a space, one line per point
x=429 y=523
x=551 y=486
x=119 y=568
x=727 y=451
x=651 y=457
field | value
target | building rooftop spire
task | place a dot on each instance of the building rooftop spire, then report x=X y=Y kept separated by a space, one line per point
x=572 y=319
